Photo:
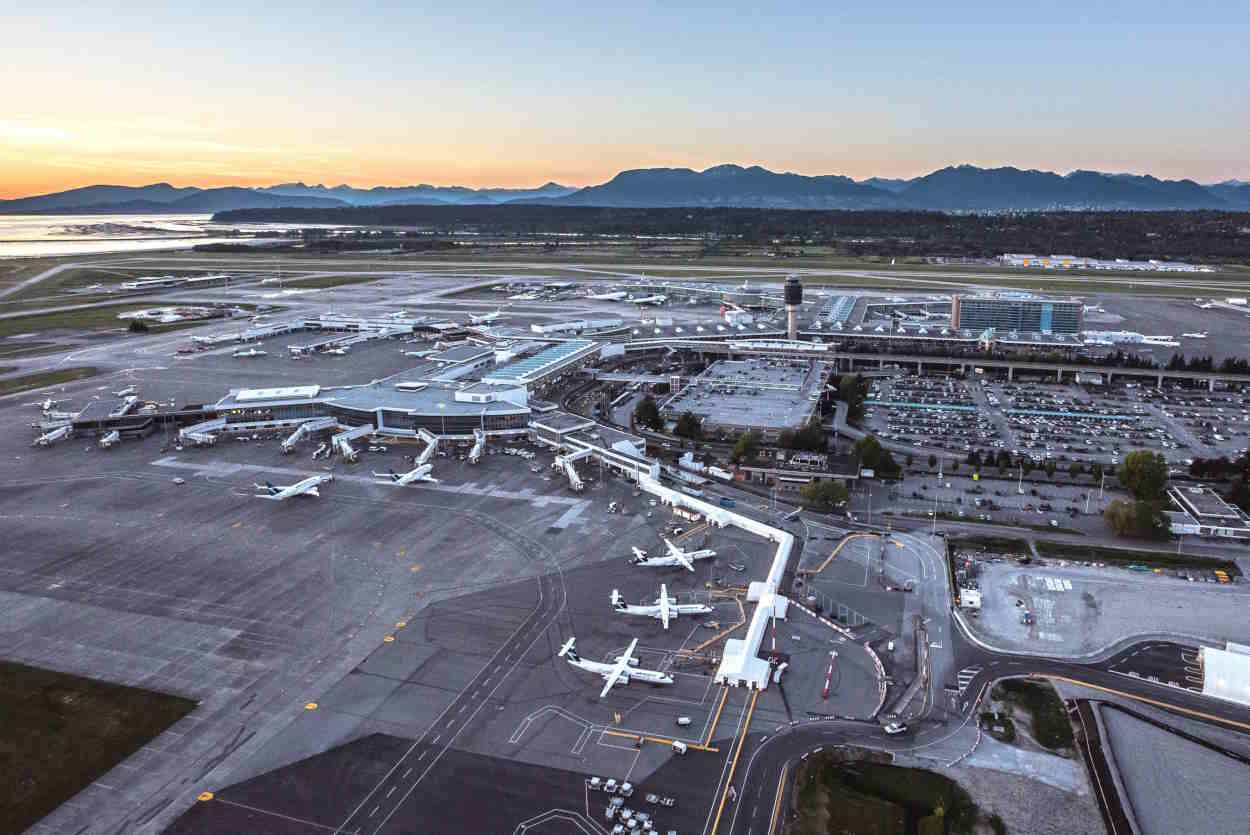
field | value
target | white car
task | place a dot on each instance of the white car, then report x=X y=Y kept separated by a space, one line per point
x=895 y=728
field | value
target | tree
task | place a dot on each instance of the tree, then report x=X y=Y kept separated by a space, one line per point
x=647 y=413
x=875 y=457
x=1074 y=470
x=824 y=495
x=932 y=461
x=745 y=448
x=137 y=326
x=1145 y=475
x=1095 y=470
x=851 y=391
x=1139 y=519
x=954 y=465
x=1050 y=468
x=1026 y=465
x=910 y=459
x=689 y=426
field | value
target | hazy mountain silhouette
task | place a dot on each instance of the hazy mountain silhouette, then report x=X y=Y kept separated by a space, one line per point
x=955 y=189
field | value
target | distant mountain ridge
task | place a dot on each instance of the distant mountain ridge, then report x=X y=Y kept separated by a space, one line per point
x=963 y=188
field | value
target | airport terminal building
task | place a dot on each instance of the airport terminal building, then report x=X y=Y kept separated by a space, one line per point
x=1017 y=312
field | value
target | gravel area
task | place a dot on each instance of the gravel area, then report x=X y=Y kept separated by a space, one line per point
x=1173 y=784
x=1079 y=610
x=1030 y=807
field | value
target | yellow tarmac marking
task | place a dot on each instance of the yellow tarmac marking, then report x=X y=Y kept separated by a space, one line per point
x=310 y=706
x=400 y=624
x=204 y=796
x=831 y=557
x=415 y=569
x=781 y=782
x=390 y=639
x=724 y=697
x=1167 y=706
x=658 y=740
x=742 y=738
x=237 y=525
x=742 y=618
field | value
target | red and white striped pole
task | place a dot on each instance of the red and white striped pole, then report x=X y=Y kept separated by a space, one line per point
x=829 y=675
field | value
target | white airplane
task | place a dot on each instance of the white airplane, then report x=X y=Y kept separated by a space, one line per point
x=614 y=296
x=664 y=608
x=126 y=392
x=674 y=557
x=485 y=318
x=250 y=352
x=307 y=487
x=421 y=473
x=658 y=299
x=1197 y=335
x=50 y=404
x=624 y=670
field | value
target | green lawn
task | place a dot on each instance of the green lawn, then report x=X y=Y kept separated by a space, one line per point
x=26 y=382
x=61 y=732
x=330 y=280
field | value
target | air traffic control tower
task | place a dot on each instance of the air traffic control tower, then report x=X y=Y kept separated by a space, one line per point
x=794 y=298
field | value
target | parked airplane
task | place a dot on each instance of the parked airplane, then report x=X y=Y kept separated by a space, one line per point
x=623 y=671
x=50 y=404
x=421 y=473
x=126 y=392
x=1197 y=335
x=485 y=318
x=658 y=299
x=664 y=608
x=674 y=557
x=307 y=487
x=250 y=352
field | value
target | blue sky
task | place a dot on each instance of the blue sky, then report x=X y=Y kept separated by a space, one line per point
x=493 y=93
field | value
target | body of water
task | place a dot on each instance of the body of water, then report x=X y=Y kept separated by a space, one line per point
x=44 y=235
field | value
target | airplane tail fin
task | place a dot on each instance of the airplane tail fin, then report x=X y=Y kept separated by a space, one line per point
x=568 y=651
x=616 y=599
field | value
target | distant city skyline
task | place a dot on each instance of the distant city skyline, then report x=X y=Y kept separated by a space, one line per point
x=486 y=94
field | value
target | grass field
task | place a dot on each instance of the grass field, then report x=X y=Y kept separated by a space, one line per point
x=874 y=799
x=330 y=280
x=26 y=382
x=10 y=350
x=1051 y=727
x=103 y=317
x=61 y=732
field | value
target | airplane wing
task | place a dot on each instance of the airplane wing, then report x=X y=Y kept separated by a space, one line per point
x=664 y=607
x=672 y=549
x=684 y=560
x=614 y=675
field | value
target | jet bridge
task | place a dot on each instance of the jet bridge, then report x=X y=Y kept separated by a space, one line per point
x=479 y=446
x=201 y=434
x=431 y=444
x=565 y=462
x=342 y=441
x=305 y=429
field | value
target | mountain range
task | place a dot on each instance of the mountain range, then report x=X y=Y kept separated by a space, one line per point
x=963 y=188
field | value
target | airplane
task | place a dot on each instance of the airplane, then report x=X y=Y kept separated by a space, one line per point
x=674 y=557
x=663 y=609
x=421 y=473
x=307 y=487
x=340 y=351
x=1197 y=335
x=250 y=352
x=50 y=404
x=648 y=300
x=485 y=318
x=126 y=392
x=624 y=670
x=614 y=296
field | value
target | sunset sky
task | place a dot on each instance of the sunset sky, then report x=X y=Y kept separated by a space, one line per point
x=485 y=93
